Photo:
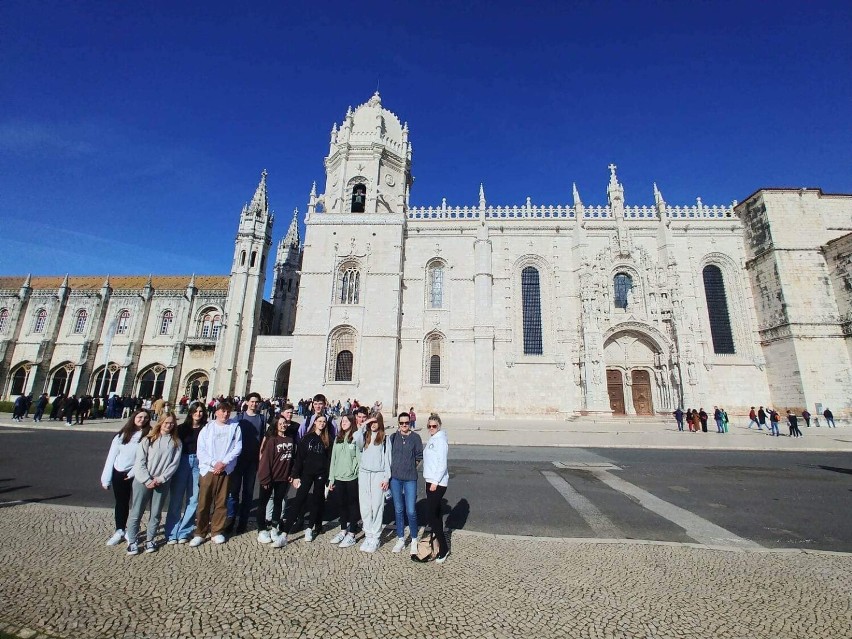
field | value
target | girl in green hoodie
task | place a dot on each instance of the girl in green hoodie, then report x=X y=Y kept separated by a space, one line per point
x=343 y=481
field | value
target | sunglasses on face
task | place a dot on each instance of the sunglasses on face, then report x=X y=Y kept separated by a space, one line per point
x=432 y=426
x=403 y=423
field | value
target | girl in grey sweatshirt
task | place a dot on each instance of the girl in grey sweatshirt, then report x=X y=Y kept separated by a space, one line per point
x=157 y=459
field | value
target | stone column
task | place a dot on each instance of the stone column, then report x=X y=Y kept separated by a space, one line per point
x=483 y=330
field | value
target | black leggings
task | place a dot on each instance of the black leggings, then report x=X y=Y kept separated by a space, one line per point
x=350 y=513
x=122 y=488
x=277 y=490
x=434 y=500
x=298 y=504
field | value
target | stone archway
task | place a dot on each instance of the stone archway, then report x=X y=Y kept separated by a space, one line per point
x=636 y=375
x=282 y=380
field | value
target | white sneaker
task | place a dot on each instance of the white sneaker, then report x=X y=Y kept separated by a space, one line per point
x=196 y=542
x=263 y=537
x=399 y=545
x=309 y=534
x=219 y=539
x=280 y=541
x=133 y=549
x=348 y=541
x=171 y=542
x=116 y=538
x=442 y=558
x=339 y=537
x=183 y=540
x=370 y=545
x=413 y=546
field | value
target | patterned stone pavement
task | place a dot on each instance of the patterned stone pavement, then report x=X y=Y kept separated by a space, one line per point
x=57 y=577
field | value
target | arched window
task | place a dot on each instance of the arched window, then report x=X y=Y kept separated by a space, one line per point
x=434 y=348
x=196 y=385
x=40 y=321
x=4 y=320
x=253 y=259
x=211 y=324
x=206 y=325
x=531 y=304
x=359 y=198
x=243 y=258
x=217 y=326
x=717 y=309
x=123 y=323
x=19 y=380
x=350 y=285
x=341 y=354
x=622 y=283
x=60 y=381
x=80 y=321
x=166 y=322
x=101 y=388
x=436 y=284
x=151 y=382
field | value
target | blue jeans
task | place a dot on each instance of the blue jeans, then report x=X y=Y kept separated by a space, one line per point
x=183 y=485
x=405 y=489
x=773 y=429
x=719 y=426
x=241 y=495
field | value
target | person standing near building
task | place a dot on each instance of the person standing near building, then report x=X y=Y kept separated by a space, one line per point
x=274 y=474
x=829 y=418
x=19 y=408
x=678 y=415
x=219 y=446
x=181 y=523
x=717 y=417
x=436 y=475
x=702 y=416
x=412 y=416
x=241 y=494
x=318 y=408
x=118 y=470
x=807 y=417
x=761 y=418
x=373 y=479
x=406 y=455
x=793 y=423
x=774 y=418
x=70 y=406
x=41 y=404
x=157 y=460
x=343 y=480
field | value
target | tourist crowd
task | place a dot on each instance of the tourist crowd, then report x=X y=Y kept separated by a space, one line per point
x=763 y=418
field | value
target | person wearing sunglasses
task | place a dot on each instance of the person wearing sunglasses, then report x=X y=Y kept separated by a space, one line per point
x=436 y=475
x=406 y=455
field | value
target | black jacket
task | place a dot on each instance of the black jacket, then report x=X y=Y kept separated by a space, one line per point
x=313 y=457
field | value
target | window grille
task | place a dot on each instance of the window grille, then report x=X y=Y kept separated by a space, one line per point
x=622 y=284
x=4 y=320
x=217 y=326
x=434 y=346
x=350 y=286
x=717 y=309
x=151 y=382
x=341 y=355
x=41 y=320
x=343 y=366
x=531 y=303
x=123 y=323
x=80 y=321
x=166 y=323
x=436 y=286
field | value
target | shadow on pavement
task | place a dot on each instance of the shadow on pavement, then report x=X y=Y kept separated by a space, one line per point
x=33 y=500
x=835 y=469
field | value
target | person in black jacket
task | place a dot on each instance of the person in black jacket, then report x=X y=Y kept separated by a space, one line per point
x=310 y=470
x=41 y=404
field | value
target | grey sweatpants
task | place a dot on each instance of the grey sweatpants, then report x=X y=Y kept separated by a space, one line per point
x=372 y=500
x=140 y=499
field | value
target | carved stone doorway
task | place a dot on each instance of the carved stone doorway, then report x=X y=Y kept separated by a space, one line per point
x=642 y=402
x=615 y=389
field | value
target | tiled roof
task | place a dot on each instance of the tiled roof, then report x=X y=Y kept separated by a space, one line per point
x=95 y=282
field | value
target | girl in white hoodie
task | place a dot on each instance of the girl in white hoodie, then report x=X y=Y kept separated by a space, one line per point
x=437 y=476
x=157 y=460
x=118 y=469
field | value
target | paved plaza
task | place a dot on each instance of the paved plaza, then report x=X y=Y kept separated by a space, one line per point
x=56 y=576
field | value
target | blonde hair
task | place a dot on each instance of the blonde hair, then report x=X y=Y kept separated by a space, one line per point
x=155 y=433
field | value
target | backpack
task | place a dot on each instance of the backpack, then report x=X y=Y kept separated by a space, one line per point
x=427 y=549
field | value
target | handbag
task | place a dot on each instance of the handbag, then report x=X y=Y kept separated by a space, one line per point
x=427 y=549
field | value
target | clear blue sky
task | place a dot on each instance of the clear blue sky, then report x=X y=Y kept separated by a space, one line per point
x=131 y=133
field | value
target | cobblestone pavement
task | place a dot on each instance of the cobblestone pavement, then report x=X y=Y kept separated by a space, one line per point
x=58 y=577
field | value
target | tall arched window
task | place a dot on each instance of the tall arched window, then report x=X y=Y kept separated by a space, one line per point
x=166 y=322
x=80 y=321
x=359 y=198
x=436 y=284
x=123 y=323
x=350 y=285
x=19 y=380
x=151 y=382
x=4 y=320
x=531 y=304
x=253 y=259
x=40 y=321
x=60 y=381
x=717 y=309
x=341 y=354
x=434 y=352
x=101 y=388
x=217 y=326
x=622 y=283
x=243 y=258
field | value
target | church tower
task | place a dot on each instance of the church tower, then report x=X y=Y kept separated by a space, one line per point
x=349 y=310
x=285 y=292
x=233 y=361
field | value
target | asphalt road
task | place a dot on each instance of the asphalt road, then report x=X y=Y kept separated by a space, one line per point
x=775 y=500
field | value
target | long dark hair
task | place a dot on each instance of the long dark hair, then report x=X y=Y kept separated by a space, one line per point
x=348 y=434
x=186 y=427
x=379 y=434
x=127 y=431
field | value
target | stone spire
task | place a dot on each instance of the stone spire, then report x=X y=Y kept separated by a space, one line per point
x=659 y=203
x=106 y=283
x=28 y=282
x=260 y=202
x=481 y=196
x=26 y=287
x=64 y=282
x=292 y=237
x=615 y=194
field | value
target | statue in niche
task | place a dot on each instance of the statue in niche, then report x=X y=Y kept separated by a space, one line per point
x=652 y=303
x=631 y=300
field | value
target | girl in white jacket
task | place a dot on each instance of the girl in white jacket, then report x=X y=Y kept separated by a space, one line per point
x=374 y=473
x=437 y=476
x=157 y=460
x=118 y=469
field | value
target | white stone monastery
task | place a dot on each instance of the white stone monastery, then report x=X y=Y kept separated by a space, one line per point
x=483 y=309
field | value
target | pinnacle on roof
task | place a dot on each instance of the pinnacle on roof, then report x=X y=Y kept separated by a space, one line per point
x=64 y=282
x=577 y=201
x=313 y=189
x=481 y=195
x=191 y=281
x=106 y=282
x=376 y=100
x=28 y=283
x=292 y=238
x=260 y=201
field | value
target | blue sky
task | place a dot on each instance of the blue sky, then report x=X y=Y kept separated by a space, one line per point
x=131 y=134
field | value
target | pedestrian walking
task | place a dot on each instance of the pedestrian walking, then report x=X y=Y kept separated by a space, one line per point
x=343 y=480
x=829 y=418
x=157 y=460
x=373 y=479
x=702 y=416
x=761 y=418
x=406 y=455
x=792 y=421
x=774 y=418
x=180 y=520
x=436 y=475
x=41 y=404
x=717 y=417
x=118 y=470
x=678 y=415
x=752 y=419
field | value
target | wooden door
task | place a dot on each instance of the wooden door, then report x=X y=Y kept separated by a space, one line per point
x=615 y=388
x=642 y=392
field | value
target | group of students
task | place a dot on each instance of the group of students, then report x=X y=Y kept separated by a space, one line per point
x=200 y=466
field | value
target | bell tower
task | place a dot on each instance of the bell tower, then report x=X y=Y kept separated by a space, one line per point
x=231 y=372
x=285 y=292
